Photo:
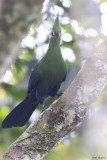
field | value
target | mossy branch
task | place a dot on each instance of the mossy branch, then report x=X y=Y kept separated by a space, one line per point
x=65 y=113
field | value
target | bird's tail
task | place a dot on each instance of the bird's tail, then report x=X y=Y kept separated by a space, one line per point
x=20 y=114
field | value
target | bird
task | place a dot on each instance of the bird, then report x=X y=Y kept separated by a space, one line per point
x=44 y=82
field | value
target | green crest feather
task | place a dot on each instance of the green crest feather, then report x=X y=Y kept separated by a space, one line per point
x=56 y=26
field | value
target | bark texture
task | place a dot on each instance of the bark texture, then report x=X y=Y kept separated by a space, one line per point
x=70 y=109
x=15 y=18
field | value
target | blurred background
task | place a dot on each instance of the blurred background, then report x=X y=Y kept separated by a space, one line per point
x=84 y=26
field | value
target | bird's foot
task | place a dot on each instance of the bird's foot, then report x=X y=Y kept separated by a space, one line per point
x=59 y=94
x=43 y=108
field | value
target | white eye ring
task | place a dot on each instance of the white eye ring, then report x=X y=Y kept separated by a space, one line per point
x=52 y=34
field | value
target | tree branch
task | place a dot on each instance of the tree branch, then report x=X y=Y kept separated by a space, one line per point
x=66 y=112
x=15 y=19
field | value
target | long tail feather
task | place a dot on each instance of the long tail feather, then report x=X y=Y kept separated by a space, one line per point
x=20 y=114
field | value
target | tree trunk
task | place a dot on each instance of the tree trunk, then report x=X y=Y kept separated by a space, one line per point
x=15 y=18
x=66 y=112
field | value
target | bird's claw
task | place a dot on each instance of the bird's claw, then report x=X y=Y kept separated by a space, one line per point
x=44 y=108
x=59 y=94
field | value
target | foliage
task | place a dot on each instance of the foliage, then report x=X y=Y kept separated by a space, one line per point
x=84 y=36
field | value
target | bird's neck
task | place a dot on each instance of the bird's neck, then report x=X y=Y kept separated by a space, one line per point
x=53 y=52
x=54 y=42
x=54 y=45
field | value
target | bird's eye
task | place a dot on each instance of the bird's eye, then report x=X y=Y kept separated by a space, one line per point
x=58 y=34
x=52 y=34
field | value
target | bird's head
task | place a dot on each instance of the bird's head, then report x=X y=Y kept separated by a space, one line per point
x=56 y=27
x=56 y=31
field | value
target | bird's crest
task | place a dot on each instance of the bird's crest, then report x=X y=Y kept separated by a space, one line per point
x=57 y=27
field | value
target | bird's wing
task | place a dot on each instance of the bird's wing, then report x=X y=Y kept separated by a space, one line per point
x=35 y=78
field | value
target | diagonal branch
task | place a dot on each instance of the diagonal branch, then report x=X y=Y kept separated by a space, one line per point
x=70 y=109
